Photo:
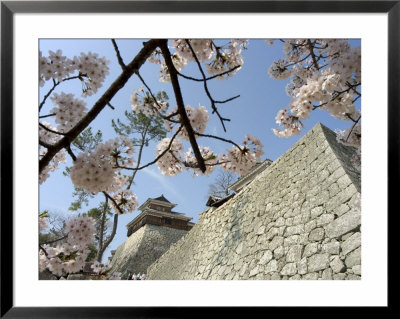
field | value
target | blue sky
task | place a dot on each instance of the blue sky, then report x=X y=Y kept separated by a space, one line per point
x=261 y=97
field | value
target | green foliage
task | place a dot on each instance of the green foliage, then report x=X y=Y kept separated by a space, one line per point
x=82 y=197
x=147 y=127
x=87 y=141
x=93 y=253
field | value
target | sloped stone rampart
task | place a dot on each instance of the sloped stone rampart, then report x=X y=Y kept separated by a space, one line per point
x=296 y=220
x=142 y=248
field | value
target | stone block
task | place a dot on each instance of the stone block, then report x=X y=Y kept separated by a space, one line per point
x=294 y=253
x=310 y=276
x=289 y=269
x=337 y=265
x=272 y=266
x=267 y=256
x=351 y=243
x=302 y=266
x=316 y=234
x=310 y=249
x=277 y=241
x=354 y=258
x=342 y=225
x=332 y=248
x=318 y=262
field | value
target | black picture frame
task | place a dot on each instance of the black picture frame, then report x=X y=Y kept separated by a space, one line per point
x=9 y=8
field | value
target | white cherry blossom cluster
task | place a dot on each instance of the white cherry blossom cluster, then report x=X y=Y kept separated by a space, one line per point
x=143 y=102
x=43 y=223
x=80 y=230
x=94 y=69
x=198 y=118
x=56 y=66
x=203 y=48
x=60 y=157
x=210 y=160
x=324 y=74
x=99 y=268
x=218 y=59
x=290 y=123
x=170 y=164
x=68 y=112
x=227 y=59
x=240 y=161
x=49 y=137
x=70 y=256
x=63 y=259
x=125 y=200
x=96 y=171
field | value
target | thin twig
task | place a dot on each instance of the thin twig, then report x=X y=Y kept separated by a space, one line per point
x=120 y=60
x=181 y=107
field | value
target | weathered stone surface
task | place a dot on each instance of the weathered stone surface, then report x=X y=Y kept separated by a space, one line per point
x=143 y=248
x=345 y=223
x=294 y=253
x=316 y=234
x=332 y=248
x=354 y=258
x=271 y=266
x=279 y=252
x=318 y=262
x=289 y=269
x=310 y=249
x=276 y=242
x=302 y=266
x=310 y=276
x=327 y=274
x=351 y=243
x=337 y=265
x=266 y=257
x=356 y=269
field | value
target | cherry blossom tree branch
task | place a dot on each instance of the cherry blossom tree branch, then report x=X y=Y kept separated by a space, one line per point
x=209 y=78
x=215 y=110
x=55 y=84
x=158 y=157
x=181 y=107
x=221 y=139
x=52 y=131
x=55 y=240
x=134 y=65
x=48 y=115
x=120 y=60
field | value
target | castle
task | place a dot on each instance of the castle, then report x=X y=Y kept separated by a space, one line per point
x=150 y=234
x=294 y=218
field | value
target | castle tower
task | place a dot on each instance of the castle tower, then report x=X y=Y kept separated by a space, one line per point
x=158 y=211
x=150 y=234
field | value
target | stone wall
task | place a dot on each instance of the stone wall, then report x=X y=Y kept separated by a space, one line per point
x=296 y=220
x=143 y=247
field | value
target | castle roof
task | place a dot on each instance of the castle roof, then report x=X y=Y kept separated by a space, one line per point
x=162 y=198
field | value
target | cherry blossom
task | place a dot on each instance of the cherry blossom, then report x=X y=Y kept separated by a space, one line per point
x=68 y=111
x=170 y=164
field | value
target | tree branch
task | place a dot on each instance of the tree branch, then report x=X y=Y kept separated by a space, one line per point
x=215 y=110
x=131 y=68
x=181 y=107
x=120 y=61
